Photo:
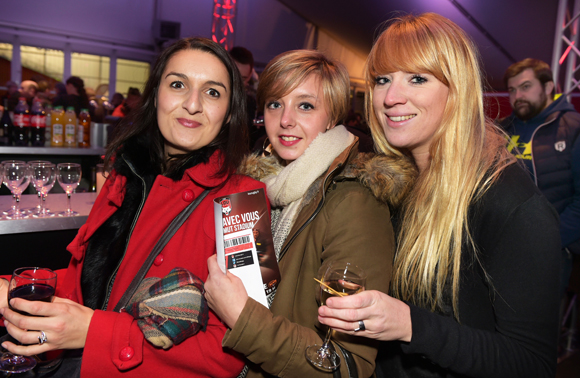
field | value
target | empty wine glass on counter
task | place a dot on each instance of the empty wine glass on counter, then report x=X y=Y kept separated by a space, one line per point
x=33 y=284
x=69 y=177
x=42 y=177
x=31 y=164
x=16 y=178
x=11 y=209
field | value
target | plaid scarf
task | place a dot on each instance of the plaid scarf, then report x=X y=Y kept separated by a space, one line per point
x=170 y=309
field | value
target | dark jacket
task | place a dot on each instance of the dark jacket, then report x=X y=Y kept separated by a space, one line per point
x=556 y=162
x=340 y=220
x=508 y=295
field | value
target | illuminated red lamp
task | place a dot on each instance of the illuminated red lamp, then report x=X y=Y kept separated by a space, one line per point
x=222 y=27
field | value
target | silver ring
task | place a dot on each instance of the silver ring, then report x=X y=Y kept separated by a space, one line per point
x=42 y=338
x=361 y=326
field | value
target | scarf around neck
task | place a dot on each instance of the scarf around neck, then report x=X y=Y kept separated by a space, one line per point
x=287 y=189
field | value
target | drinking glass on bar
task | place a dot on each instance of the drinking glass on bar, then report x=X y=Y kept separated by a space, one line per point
x=43 y=176
x=11 y=209
x=16 y=178
x=69 y=177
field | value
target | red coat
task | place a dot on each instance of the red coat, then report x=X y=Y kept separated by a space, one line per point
x=115 y=345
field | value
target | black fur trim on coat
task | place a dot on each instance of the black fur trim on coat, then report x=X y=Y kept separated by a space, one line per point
x=108 y=244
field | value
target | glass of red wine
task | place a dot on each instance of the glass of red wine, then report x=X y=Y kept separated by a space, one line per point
x=33 y=284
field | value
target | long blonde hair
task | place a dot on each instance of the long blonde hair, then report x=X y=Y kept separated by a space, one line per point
x=467 y=154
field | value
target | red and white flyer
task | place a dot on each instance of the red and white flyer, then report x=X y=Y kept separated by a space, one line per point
x=244 y=242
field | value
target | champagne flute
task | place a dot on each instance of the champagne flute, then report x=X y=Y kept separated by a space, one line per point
x=69 y=177
x=43 y=176
x=33 y=284
x=16 y=178
x=338 y=279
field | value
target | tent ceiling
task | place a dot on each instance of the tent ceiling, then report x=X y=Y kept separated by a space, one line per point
x=522 y=28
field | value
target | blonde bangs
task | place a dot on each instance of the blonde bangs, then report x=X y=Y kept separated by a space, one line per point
x=289 y=70
x=407 y=47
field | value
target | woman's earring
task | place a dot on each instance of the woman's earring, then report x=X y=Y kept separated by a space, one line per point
x=266 y=147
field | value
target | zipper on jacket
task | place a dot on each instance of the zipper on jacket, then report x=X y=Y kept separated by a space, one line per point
x=532 y=147
x=112 y=278
x=318 y=209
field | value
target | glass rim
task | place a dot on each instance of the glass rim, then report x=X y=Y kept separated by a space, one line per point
x=40 y=163
x=68 y=165
x=335 y=266
x=14 y=163
x=18 y=273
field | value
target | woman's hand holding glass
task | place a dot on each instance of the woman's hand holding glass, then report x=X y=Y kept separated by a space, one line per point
x=64 y=322
x=385 y=318
x=33 y=284
x=337 y=279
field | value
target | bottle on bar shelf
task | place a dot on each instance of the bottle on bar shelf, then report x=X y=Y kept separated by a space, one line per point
x=6 y=127
x=38 y=124
x=57 y=127
x=84 y=129
x=21 y=123
x=70 y=127
x=48 y=128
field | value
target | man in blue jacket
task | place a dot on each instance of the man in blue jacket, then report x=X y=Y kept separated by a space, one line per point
x=544 y=135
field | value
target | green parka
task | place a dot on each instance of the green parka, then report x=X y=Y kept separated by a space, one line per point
x=340 y=219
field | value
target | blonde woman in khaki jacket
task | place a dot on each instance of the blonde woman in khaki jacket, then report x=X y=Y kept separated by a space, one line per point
x=329 y=203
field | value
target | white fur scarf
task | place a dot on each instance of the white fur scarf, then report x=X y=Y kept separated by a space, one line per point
x=287 y=189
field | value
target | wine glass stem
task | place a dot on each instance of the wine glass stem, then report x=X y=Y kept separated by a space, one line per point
x=68 y=207
x=326 y=340
x=39 y=200
x=17 y=206
x=43 y=204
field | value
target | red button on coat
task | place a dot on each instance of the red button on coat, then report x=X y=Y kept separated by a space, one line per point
x=126 y=353
x=158 y=260
x=187 y=195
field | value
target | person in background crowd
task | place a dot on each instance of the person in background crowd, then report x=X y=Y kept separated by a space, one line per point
x=321 y=213
x=131 y=102
x=365 y=141
x=117 y=99
x=28 y=89
x=546 y=134
x=187 y=136
x=43 y=93
x=60 y=96
x=475 y=283
x=11 y=95
x=245 y=62
x=77 y=95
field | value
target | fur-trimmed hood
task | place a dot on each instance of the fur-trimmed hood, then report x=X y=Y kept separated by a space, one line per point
x=389 y=178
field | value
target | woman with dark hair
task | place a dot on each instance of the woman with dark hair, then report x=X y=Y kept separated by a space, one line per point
x=187 y=136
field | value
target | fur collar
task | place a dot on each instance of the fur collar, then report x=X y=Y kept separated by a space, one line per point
x=389 y=178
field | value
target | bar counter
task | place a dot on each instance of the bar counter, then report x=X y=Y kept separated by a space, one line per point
x=41 y=241
x=80 y=202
